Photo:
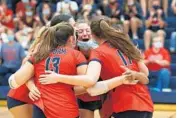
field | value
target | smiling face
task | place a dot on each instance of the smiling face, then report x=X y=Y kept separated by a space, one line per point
x=83 y=32
x=84 y=38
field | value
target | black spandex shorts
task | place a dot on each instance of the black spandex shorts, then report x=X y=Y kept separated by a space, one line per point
x=11 y=102
x=92 y=105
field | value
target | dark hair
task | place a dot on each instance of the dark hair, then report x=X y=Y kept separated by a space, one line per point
x=52 y=38
x=60 y=18
x=117 y=39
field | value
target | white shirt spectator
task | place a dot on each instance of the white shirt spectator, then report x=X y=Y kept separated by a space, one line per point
x=67 y=7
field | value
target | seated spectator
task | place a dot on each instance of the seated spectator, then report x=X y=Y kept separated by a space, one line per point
x=173 y=42
x=163 y=5
x=23 y=4
x=46 y=15
x=173 y=6
x=24 y=35
x=11 y=55
x=6 y=15
x=112 y=9
x=157 y=60
x=133 y=17
x=155 y=23
x=29 y=18
x=88 y=9
x=67 y=7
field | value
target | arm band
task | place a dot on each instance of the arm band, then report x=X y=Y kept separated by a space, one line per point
x=12 y=82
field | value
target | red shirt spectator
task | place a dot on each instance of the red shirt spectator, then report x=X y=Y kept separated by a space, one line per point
x=156 y=57
x=6 y=16
x=21 y=6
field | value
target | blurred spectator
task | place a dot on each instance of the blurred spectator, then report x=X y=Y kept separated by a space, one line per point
x=46 y=15
x=115 y=10
x=67 y=7
x=79 y=2
x=24 y=35
x=11 y=54
x=133 y=17
x=155 y=23
x=88 y=9
x=105 y=8
x=173 y=42
x=23 y=5
x=157 y=60
x=173 y=6
x=6 y=15
x=29 y=18
x=163 y=5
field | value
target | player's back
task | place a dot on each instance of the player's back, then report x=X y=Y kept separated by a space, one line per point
x=59 y=99
x=112 y=59
x=130 y=97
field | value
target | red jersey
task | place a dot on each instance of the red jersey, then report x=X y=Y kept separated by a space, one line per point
x=163 y=54
x=124 y=97
x=87 y=98
x=58 y=100
x=20 y=94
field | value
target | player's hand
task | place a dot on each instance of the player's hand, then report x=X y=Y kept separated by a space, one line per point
x=130 y=76
x=128 y=79
x=49 y=77
x=34 y=93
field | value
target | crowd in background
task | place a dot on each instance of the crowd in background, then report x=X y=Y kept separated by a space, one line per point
x=21 y=19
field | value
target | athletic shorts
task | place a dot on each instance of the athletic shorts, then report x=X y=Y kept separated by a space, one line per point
x=133 y=114
x=92 y=105
x=11 y=102
x=37 y=112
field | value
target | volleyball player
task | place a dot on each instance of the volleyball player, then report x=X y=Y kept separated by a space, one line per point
x=19 y=104
x=115 y=50
x=87 y=104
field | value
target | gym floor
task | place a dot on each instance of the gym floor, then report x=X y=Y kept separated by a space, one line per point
x=161 y=111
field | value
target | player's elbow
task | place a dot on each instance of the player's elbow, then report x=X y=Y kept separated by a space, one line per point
x=91 y=82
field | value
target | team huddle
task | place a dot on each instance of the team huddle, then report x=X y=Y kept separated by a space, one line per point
x=74 y=68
